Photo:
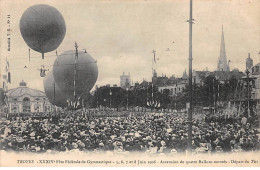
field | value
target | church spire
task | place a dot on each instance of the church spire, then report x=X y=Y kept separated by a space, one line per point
x=222 y=61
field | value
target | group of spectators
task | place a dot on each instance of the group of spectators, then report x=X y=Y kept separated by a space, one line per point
x=163 y=133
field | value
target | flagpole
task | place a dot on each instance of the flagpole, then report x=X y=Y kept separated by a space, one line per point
x=75 y=71
x=5 y=87
x=189 y=143
x=54 y=92
x=152 y=77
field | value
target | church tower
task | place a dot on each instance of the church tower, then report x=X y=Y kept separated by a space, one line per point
x=249 y=62
x=222 y=60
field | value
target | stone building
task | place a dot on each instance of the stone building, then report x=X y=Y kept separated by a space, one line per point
x=174 y=88
x=255 y=71
x=24 y=100
x=125 y=81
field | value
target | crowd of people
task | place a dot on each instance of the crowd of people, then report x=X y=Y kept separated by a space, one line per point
x=152 y=133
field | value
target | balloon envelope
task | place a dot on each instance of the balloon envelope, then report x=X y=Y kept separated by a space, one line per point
x=57 y=98
x=85 y=77
x=42 y=27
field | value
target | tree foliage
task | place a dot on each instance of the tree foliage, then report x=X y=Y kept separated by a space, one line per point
x=207 y=94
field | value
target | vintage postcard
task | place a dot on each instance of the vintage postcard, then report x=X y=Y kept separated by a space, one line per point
x=130 y=83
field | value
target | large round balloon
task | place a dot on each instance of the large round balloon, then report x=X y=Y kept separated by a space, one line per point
x=53 y=92
x=85 y=76
x=42 y=27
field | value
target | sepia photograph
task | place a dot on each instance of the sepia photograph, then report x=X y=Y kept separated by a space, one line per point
x=130 y=83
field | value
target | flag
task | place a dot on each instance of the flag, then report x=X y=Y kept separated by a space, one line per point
x=78 y=104
x=7 y=66
x=9 y=77
x=5 y=77
x=154 y=56
x=42 y=74
x=5 y=99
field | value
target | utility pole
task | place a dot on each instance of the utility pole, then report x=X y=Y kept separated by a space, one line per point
x=110 y=95
x=152 y=79
x=214 y=96
x=75 y=72
x=127 y=99
x=189 y=143
x=54 y=91
x=54 y=94
x=97 y=95
x=248 y=93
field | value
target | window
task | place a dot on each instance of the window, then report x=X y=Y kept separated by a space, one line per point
x=47 y=109
x=37 y=108
x=14 y=109
x=256 y=69
x=258 y=83
x=26 y=105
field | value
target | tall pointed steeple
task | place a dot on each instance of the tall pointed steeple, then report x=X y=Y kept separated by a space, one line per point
x=222 y=60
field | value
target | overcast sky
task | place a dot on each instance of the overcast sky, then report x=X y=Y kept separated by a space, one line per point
x=121 y=36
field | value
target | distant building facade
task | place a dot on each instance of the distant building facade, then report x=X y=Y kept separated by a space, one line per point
x=255 y=71
x=125 y=81
x=198 y=77
x=25 y=100
x=159 y=80
x=174 y=88
x=173 y=84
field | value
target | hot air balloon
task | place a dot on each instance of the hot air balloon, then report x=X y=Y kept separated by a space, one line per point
x=43 y=28
x=53 y=93
x=84 y=71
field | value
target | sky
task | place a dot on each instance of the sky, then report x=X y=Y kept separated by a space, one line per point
x=121 y=36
